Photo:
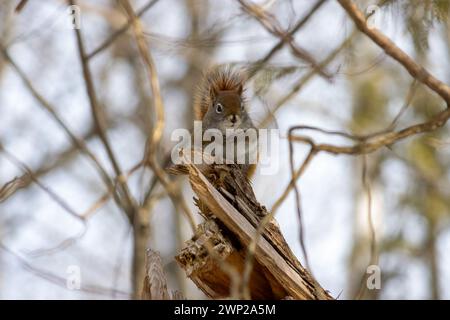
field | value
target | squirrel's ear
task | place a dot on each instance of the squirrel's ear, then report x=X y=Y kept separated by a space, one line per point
x=213 y=92
x=240 y=89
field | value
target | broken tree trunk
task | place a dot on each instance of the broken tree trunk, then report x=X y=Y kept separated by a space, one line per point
x=217 y=255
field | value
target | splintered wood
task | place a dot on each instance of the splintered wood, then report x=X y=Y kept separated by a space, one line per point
x=155 y=283
x=217 y=253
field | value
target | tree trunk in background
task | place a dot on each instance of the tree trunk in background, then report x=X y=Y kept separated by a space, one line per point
x=432 y=258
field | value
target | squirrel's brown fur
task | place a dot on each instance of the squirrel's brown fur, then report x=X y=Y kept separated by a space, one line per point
x=217 y=82
x=218 y=78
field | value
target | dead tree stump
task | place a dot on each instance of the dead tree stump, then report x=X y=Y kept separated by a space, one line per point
x=216 y=256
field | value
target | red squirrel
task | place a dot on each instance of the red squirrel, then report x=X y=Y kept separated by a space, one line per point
x=220 y=104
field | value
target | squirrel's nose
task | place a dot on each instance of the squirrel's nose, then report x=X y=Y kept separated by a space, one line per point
x=233 y=118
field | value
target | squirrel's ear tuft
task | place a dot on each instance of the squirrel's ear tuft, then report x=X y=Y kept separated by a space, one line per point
x=240 y=89
x=213 y=90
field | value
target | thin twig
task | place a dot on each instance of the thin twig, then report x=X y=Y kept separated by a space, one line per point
x=105 y=44
x=378 y=141
x=366 y=144
x=297 y=197
x=129 y=207
x=60 y=201
x=415 y=70
x=261 y=62
x=62 y=281
x=20 y=6
x=140 y=224
x=77 y=142
x=294 y=177
x=270 y=23
x=409 y=97
x=13 y=185
x=306 y=78
x=153 y=143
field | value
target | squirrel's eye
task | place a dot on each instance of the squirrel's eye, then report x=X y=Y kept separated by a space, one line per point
x=219 y=108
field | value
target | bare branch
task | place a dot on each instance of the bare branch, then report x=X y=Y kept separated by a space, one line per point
x=49 y=191
x=20 y=5
x=96 y=110
x=79 y=143
x=12 y=186
x=384 y=139
x=272 y=25
x=140 y=223
x=152 y=77
x=153 y=143
x=306 y=78
x=297 y=200
x=409 y=97
x=105 y=44
x=62 y=281
x=415 y=70
x=261 y=62
x=366 y=144
x=294 y=177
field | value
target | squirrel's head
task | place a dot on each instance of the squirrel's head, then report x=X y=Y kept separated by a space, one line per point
x=226 y=111
x=220 y=102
